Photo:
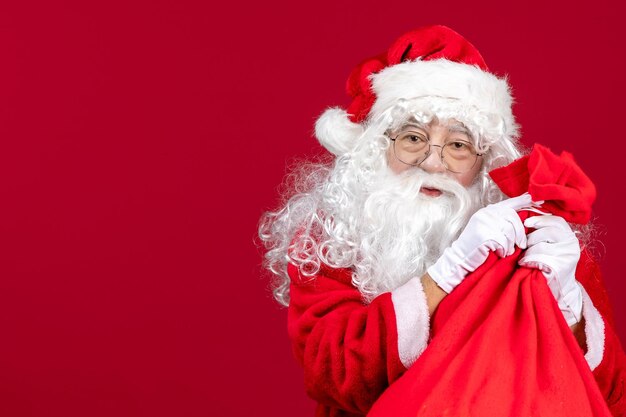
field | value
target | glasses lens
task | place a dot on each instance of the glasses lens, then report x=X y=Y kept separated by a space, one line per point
x=411 y=147
x=459 y=156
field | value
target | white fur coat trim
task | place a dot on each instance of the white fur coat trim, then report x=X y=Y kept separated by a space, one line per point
x=412 y=320
x=594 y=332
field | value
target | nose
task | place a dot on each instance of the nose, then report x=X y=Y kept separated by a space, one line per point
x=433 y=163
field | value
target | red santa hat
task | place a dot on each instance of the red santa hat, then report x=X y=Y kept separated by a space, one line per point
x=437 y=69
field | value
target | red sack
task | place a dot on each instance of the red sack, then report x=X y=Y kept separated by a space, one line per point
x=500 y=345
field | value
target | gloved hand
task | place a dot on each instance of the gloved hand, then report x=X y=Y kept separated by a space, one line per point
x=496 y=227
x=554 y=249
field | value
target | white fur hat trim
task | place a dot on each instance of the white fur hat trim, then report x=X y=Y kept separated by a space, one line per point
x=336 y=132
x=441 y=78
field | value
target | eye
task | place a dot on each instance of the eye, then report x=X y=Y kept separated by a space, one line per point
x=459 y=145
x=413 y=137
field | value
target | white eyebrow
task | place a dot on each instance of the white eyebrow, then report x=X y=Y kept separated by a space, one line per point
x=460 y=128
x=412 y=124
x=457 y=127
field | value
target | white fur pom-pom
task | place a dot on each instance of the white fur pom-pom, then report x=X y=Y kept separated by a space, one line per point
x=336 y=132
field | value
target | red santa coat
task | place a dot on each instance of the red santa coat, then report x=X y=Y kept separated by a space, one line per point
x=351 y=351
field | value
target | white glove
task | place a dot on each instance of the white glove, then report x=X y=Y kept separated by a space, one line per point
x=496 y=227
x=554 y=249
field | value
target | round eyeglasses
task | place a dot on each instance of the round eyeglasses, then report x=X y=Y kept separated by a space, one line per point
x=412 y=148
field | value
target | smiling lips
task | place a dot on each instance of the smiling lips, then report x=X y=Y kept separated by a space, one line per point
x=431 y=192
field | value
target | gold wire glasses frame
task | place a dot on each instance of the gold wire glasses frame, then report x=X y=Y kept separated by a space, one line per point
x=413 y=148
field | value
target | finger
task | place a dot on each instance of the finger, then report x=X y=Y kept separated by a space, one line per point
x=499 y=245
x=538 y=203
x=501 y=251
x=545 y=234
x=534 y=209
x=541 y=250
x=517 y=203
x=518 y=236
x=537 y=262
x=529 y=262
x=547 y=220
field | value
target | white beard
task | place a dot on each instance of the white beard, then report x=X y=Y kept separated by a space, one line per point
x=402 y=231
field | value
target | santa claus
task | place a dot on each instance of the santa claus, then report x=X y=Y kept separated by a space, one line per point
x=367 y=246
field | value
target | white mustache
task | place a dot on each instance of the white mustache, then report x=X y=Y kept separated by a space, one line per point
x=417 y=178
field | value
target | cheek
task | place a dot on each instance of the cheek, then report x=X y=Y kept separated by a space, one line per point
x=394 y=165
x=464 y=179
x=467 y=178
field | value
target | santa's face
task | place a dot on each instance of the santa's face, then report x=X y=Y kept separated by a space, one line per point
x=405 y=213
x=437 y=133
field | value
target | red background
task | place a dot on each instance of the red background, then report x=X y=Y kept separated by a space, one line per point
x=141 y=141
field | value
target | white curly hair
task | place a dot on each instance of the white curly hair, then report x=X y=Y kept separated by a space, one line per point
x=353 y=212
